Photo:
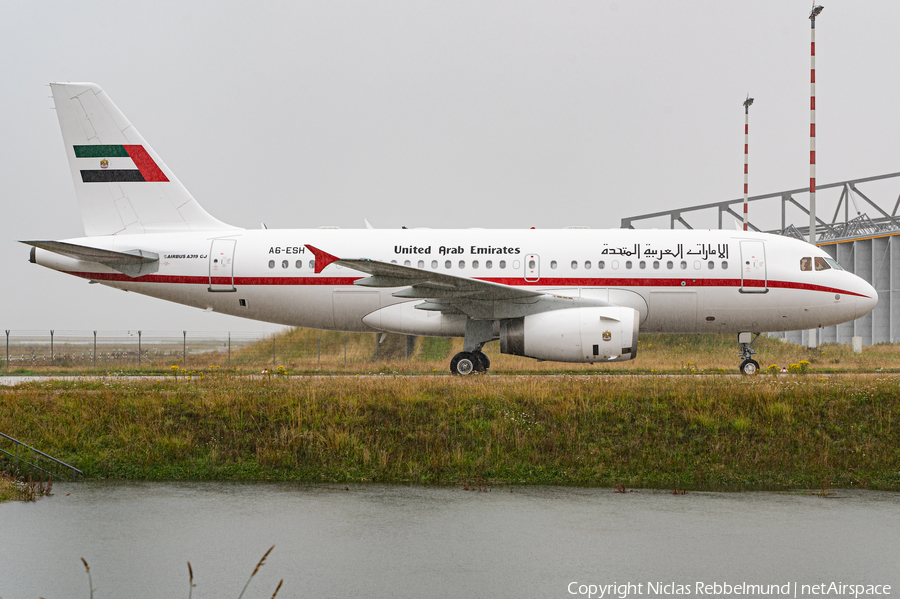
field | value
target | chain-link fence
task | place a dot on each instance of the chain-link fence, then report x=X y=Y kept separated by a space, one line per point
x=95 y=349
x=154 y=350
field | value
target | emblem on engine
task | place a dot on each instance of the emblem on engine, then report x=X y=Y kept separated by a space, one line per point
x=607 y=336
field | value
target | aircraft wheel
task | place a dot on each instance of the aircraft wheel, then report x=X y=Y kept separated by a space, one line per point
x=463 y=363
x=749 y=367
x=483 y=361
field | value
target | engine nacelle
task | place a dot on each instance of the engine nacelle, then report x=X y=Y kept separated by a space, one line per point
x=607 y=334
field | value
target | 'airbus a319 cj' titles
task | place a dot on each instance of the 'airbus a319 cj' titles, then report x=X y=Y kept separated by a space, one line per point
x=571 y=295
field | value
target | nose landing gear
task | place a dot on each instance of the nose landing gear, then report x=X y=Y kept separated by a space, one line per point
x=749 y=365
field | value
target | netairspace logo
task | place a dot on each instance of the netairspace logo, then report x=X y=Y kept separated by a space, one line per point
x=723 y=589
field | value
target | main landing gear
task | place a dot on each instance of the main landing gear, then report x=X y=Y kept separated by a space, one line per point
x=749 y=365
x=472 y=359
x=466 y=362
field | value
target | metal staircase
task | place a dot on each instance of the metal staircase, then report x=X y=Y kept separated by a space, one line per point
x=20 y=461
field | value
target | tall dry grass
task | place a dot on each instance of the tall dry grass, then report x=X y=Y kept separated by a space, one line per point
x=13 y=488
x=309 y=351
x=304 y=350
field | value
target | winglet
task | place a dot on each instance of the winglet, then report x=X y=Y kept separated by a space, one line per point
x=323 y=259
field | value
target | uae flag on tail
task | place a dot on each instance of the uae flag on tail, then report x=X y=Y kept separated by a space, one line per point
x=119 y=163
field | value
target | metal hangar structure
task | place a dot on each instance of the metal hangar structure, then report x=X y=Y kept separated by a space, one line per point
x=863 y=235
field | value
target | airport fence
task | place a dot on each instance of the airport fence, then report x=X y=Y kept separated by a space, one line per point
x=158 y=350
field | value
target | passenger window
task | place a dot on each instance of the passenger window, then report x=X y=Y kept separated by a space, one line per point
x=821 y=264
x=642 y=264
x=684 y=265
x=515 y=264
x=421 y=264
x=711 y=265
x=393 y=262
x=601 y=264
x=724 y=265
x=587 y=264
x=299 y=264
x=434 y=264
x=628 y=264
x=552 y=264
x=614 y=264
x=670 y=265
x=312 y=265
x=488 y=264
x=448 y=265
x=805 y=263
x=474 y=263
x=503 y=264
x=531 y=264
x=696 y=265
x=406 y=263
x=462 y=264
x=574 y=265
x=656 y=266
x=284 y=264
x=271 y=264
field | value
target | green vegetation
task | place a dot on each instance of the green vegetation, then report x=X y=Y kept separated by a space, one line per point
x=9 y=489
x=766 y=431
x=13 y=489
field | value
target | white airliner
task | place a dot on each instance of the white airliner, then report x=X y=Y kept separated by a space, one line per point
x=571 y=295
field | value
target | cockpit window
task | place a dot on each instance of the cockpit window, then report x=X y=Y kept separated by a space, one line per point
x=807 y=263
x=833 y=263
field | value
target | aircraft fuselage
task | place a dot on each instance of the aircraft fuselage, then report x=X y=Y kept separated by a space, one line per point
x=679 y=281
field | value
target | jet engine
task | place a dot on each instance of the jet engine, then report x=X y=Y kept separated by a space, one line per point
x=590 y=334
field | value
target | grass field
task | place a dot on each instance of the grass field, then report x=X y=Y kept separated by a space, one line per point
x=690 y=431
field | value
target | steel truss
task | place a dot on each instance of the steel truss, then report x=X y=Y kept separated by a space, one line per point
x=837 y=229
x=865 y=245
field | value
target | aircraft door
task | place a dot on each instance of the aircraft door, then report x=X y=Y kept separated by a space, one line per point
x=221 y=265
x=532 y=267
x=753 y=267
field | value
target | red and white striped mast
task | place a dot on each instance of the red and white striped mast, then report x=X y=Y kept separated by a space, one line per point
x=747 y=104
x=812 y=342
x=812 y=124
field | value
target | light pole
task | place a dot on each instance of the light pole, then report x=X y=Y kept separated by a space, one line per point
x=747 y=104
x=813 y=333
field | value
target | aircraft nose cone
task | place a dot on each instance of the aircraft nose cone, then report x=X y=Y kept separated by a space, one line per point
x=866 y=300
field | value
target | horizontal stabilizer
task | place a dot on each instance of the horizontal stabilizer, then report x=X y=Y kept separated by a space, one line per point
x=134 y=263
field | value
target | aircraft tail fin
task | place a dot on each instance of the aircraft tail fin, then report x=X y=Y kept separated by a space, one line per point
x=121 y=184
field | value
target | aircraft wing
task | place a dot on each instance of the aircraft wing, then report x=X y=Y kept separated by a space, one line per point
x=133 y=263
x=421 y=283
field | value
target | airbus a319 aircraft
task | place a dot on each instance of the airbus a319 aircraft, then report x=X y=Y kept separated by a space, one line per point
x=571 y=295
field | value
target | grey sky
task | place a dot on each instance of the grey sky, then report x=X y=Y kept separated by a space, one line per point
x=462 y=114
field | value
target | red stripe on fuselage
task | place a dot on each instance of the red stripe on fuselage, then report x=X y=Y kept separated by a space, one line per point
x=204 y=280
x=512 y=282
